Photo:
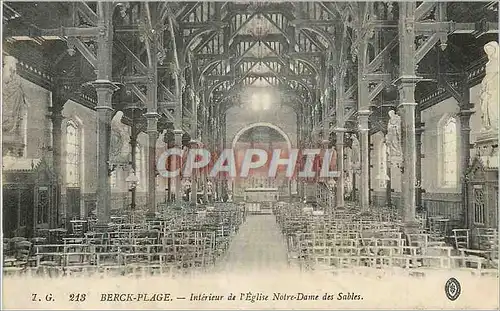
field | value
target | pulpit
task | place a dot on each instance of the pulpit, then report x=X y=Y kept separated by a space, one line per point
x=29 y=196
x=482 y=188
x=482 y=175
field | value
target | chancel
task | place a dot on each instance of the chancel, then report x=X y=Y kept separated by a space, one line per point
x=403 y=96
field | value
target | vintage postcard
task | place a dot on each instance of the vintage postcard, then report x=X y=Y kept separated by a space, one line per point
x=175 y=155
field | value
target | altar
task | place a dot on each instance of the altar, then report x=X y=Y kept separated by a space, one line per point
x=261 y=195
x=260 y=200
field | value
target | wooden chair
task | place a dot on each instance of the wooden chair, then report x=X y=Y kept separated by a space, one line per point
x=461 y=238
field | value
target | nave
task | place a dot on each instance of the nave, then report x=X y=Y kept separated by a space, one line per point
x=258 y=246
x=402 y=96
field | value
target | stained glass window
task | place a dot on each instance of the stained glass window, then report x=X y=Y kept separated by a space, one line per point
x=73 y=154
x=449 y=154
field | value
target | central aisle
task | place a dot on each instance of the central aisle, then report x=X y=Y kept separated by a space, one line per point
x=258 y=245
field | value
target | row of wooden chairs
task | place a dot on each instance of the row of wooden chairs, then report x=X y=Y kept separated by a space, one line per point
x=342 y=238
x=176 y=242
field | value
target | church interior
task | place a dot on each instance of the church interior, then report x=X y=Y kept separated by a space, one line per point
x=405 y=95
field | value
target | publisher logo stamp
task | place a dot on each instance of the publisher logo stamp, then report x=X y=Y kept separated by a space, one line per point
x=452 y=289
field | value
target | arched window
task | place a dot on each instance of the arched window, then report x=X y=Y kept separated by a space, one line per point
x=449 y=155
x=73 y=154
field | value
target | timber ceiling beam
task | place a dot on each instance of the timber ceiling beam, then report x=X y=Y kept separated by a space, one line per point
x=203 y=25
x=263 y=75
x=272 y=37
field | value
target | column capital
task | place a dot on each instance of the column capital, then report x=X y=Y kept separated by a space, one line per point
x=407 y=79
x=407 y=105
x=152 y=115
x=105 y=85
x=465 y=113
x=178 y=132
x=340 y=130
x=104 y=108
x=364 y=113
x=419 y=130
x=133 y=139
x=56 y=114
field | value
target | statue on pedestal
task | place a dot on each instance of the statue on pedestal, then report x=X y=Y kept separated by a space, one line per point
x=489 y=89
x=393 y=139
x=14 y=100
x=347 y=185
x=14 y=108
x=186 y=187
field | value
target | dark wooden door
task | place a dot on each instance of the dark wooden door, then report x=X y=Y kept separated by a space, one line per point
x=27 y=204
x=9 y=209
x=18 y=211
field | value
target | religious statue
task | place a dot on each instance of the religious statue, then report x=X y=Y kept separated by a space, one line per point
x=117 y=138
x=489 y=89
x=355 y=156
x=186 y=187
x=209 y=187
x=347 y=184
x=393 y=138
x=331 y=183
x=14 y=100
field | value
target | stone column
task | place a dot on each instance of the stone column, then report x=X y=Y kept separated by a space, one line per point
x=133 y=150
x=370 y=168
x=105 y=90
x=169 y=181
x=222 y=129
x=409 y=179
x=339 y=145
x=364 y=183
x=325 y=143
x=177 y=164
x=194 y=179
x=464 y=115
x=388 y=187
x=406 y=86
x=419 y=130
x=152 y=131
x=204 y=180
x=56 y=118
